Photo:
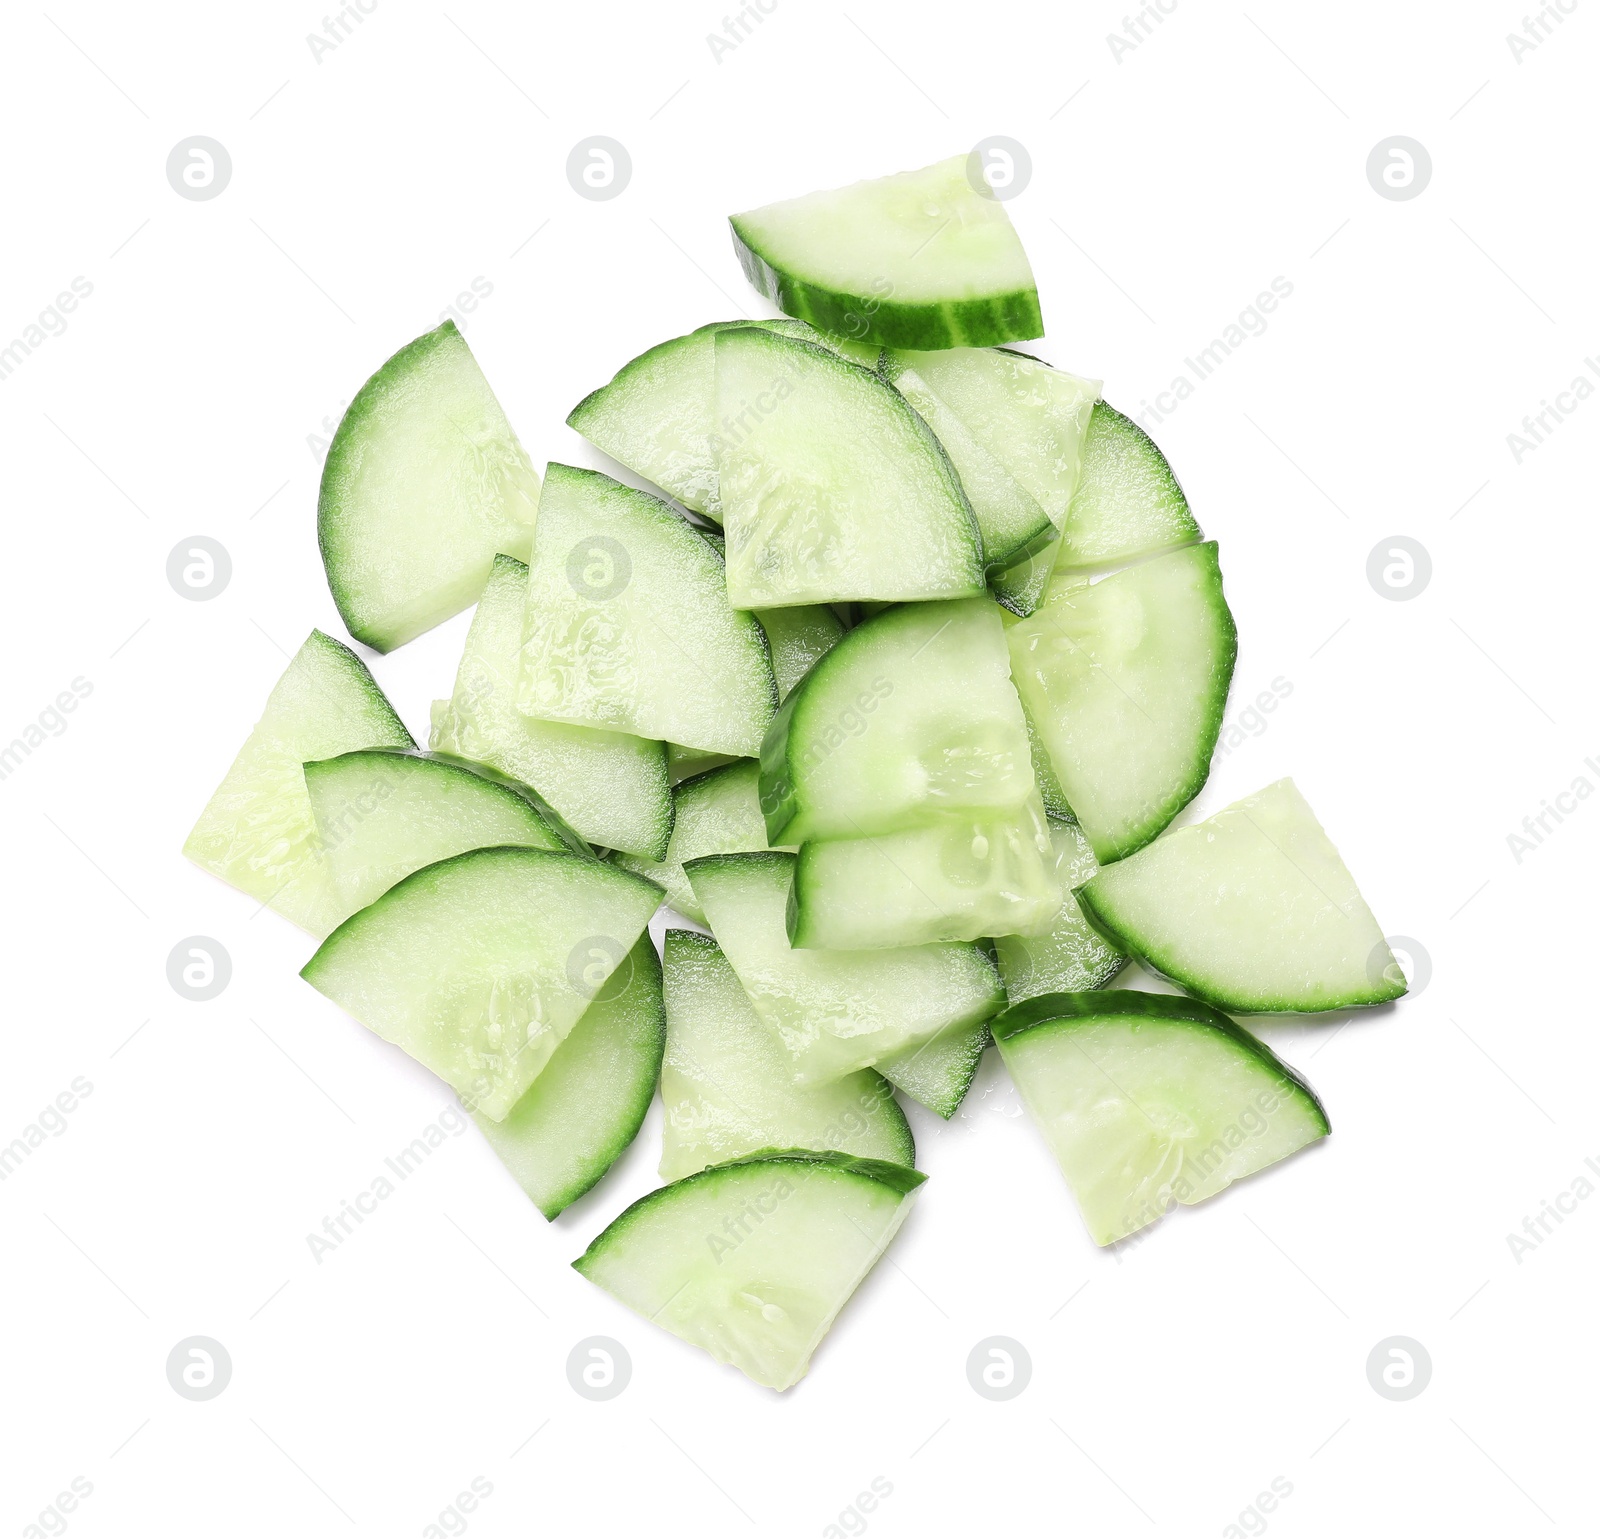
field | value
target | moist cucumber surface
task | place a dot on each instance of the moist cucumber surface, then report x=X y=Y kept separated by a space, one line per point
x=940 y=1071
x=919 y=259
x=834 y=1012
x=725 y=1081
x=831 y=488
x=424 y=483
x=587 y=1104
x=1125 y=681
x=1147 y=1100
x=797 y=637
x=480 y=965
x=752 y=1261
x=1251 y=910
x=257 y=832
x=628 y=626
x=611 y=787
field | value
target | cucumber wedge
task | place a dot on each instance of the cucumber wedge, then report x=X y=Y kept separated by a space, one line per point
x=939 y=1073
x=1251 y=910
x=920 y=259
x=687 y=763
x=958 y=878
x=628 y=625
x=424 y=483
x=797 y=638
x=830 y=487
x=1072 y=956
x=834 y=1012
x=753 y=1260
x=589 y=1101
x=480 y=965
x=911 y=715
x=609 y=786
x=1125 y=680
x=1147 y=1100
x=257 y=832
x=725 y=1081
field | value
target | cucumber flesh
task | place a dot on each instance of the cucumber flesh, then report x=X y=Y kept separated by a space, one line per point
x=609 y=786
x=588 y=1103
x=424 y=483
x=1147 y=1100
x=725 y=1081
x=1125 y=680
x=687 y=763
x=939 y=1073
x=628 y=626
x=752 y=1261
x=1251 y=910
x=912 y=714
x=919 y=259
x=831 y=488
x=257 y=832
x=1072 y=956
x=834 y=1012
x=480 y=965
x=797 y=637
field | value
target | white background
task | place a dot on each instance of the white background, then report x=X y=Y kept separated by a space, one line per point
x=1172 y=1382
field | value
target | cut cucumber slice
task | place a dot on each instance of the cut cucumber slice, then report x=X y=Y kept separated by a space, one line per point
x=1044 y=773
x=1072 y=956
x=834 y=1011
x=939 y=1073
x=725 y=1080
x=1251 y=910
x=424 y=483
x=920 y=259
x=912 y=714
x=753 y=1260
x=628 y=625
x=587 y=1105
x=257 y=832
x=1126 y=680
x=686 y=763
x=797 y=638
x=382 y=815
x=1147 y=1100
x=958 y=878
x=830 y=486
x=480 y=965
x=609 y=786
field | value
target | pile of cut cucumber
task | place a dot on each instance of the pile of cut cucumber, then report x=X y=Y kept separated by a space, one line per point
x=893 y=691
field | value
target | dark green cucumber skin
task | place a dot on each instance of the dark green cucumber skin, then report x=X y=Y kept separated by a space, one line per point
x=947 y=1106
x=873 y=318
x=1064 y=1009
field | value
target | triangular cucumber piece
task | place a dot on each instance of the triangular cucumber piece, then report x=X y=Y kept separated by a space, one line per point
x=611 y=787
x=725 y=1082
x=257 y=831
x=834 y=1012
x=479 y=966
x=1147 y=1100
x=1125 y=680
x=939 y=1073
x=1251 y=910
x=628 y=626
x=753 y=1260
x=831 y=488
x=925 y=258
x=798 y=637
x=589 y=1101
x=424 y=483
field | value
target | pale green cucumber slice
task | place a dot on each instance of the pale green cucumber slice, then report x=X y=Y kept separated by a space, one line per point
x=1072 y=955
x=920 y=259
x=609 y=786
x=1044 y=773
x=960 y=877
x=939 y=1073
x=1125 y=680
x=913 y=713
x=1147 y=1100
x=686 y=763
x=753 y=1260
x=628 y=625
x=797 y=638
x=725 y=1080
x=257 y=832
x=424 y=483
x=834 y=1011
x=589 y=1101
x=1251 y=910
x=479 y=966
x=830 y=486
